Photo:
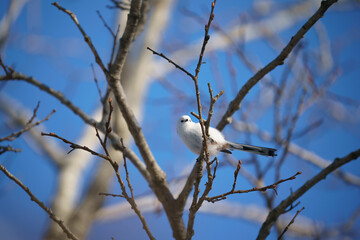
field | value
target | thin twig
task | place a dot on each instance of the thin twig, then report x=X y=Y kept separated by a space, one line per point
x=236 y=172
x=210 y=176
x=261 y=189
x=211 y=107
x=280 y=90
x=28 y=125
x=5 y=68
x=55 y=218
x=291 y=222
x=172 y=62
x=111 y=195
x=57 y=94
x=74 y=146
x=8 y=148
x=130 y=200
x=307 y=129
x=105 y=24
x=197 y=91
x=215 y=168
x=107 y=124
x=289 y=133
x=96 y=81
x=86 y=37
x=114 y=47
x=127 y=172
x=104 y=148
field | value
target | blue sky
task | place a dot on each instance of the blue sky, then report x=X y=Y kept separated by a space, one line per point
x=45 y=44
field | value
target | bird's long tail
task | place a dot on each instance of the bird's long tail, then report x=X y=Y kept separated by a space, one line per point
x=253 y=149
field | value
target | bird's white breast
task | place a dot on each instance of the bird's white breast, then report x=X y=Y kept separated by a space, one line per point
x=191 y=135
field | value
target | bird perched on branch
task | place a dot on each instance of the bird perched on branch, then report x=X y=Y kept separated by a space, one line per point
x=191 y=134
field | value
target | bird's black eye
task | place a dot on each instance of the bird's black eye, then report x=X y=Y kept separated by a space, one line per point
x=184 y=120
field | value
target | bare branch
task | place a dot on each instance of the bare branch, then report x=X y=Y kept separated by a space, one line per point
x=131 y=200
x=66 y=230
x=8 y=148
x=126 y=40
x=86 y=37
x=74 y=146
x=172 y=62
x=211 y=107
x=204 y=155
x=112 y=195
x=157 y=179
x=28 y=125
x=236 y=172
x=114 y=47
x=280 y=209
x=57 y=94
x=114 y=164
x=261 y=189
x=105 y=24
x=279 y=60
x=127 y=172
x=77 y=111
x=4 y=67
x=108 y=129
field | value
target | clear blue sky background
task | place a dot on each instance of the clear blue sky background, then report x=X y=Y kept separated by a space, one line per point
x=62 y=61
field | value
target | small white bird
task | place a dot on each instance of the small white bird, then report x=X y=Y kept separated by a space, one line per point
x=190 y=133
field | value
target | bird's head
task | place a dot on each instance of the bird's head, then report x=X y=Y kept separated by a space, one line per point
x=183 y=120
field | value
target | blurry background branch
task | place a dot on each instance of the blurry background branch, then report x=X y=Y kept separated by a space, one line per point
x=12 y=13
